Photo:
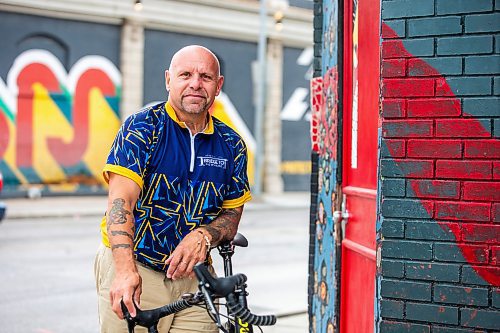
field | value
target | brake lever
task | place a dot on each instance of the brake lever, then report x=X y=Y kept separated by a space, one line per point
x=211 y=306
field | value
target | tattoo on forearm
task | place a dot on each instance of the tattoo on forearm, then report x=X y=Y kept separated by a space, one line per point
x=121 y=233
x=118 y=214
x=224 y=226
x=118 y=246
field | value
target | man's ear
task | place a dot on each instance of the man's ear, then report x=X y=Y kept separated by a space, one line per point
x=219 y=85
x=167 y=80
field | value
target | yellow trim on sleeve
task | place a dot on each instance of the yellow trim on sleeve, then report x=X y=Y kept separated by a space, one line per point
x=233 y=203
x=119 y=170
x=104 y=232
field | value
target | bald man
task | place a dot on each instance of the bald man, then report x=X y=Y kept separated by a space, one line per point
x=177 y=185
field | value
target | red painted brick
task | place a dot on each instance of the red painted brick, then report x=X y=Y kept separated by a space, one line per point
x=388 y=33
x=434 y=107
x=408 y=87
x=482 y=149
x=417 y=67
x=449 y=169
x=489 y=273
x=394 y=108
x=482 y=191
x=396 y=147
x=407 y=128
x=475 y=254
x=495 y=212
x=462 y=211
x=394 y=67
x=442 y=88
x=442 y=189
x=495 y=253
x=496 y=170
x=435 y=148
x=459 y=128
x=394 y=49
x=481 y=233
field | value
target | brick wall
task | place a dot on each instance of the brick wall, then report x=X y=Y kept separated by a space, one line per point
x=440 y=166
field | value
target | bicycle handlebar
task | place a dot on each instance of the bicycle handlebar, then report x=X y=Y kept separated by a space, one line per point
x=210 y=288
x=221 y=287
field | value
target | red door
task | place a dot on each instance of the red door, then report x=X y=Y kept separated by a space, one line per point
x=359 y=164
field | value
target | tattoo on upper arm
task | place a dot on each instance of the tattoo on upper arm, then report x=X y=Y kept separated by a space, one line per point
x=225 y=225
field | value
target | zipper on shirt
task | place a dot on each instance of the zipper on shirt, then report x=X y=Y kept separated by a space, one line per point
x=193 y=157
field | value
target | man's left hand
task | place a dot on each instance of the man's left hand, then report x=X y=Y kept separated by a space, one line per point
x=190 y=251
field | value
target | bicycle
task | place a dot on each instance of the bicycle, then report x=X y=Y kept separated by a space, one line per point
x=231 y=287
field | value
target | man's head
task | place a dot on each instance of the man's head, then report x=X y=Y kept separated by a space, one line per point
x=193 y=79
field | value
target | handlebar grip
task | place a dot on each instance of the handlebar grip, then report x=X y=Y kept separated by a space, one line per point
x=246 y=316
x=174 y=307
x=149 y=318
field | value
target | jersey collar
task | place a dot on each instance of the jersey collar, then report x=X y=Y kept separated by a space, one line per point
x=209 y=129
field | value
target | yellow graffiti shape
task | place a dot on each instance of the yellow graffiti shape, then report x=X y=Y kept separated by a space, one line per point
x=48 y=121
x=103 y=126
x=10 y=152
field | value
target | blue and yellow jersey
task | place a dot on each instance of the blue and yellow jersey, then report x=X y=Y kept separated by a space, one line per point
x=186 y=180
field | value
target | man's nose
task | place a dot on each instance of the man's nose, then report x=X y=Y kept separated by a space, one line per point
x=195 y=82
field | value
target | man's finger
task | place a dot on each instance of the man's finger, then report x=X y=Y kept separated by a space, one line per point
x=129 y=304
x=171 y=270
x=116 y=306
x=189 y=270
x=181 y=270
x=137 y=296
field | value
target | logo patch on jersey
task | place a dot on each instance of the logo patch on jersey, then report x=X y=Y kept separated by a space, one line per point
x=213 y=161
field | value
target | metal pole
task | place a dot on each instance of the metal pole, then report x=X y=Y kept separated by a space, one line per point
x=261 y=98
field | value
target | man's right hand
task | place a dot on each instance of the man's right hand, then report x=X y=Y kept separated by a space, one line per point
x=126 y=286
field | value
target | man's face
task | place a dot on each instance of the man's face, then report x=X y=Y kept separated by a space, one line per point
x=193 y=81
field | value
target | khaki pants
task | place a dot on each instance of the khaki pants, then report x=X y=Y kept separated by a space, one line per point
x=157 y=291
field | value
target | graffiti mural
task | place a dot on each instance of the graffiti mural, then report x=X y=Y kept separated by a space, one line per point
x=56 y=126
x=324 y=135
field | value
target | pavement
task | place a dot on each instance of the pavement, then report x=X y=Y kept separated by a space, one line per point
x=79 y=206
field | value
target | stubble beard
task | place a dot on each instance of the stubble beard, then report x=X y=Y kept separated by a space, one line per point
x=192 y=108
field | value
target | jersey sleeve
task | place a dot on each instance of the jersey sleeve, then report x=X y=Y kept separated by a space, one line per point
x=130 y=152
x=239 y=188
